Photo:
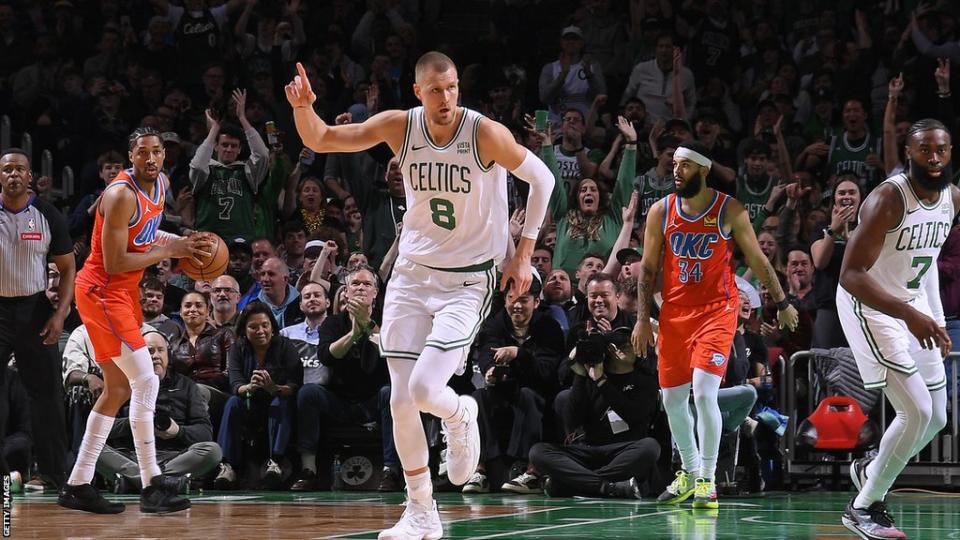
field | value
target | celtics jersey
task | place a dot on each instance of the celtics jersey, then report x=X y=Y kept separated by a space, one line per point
x=846 y=158
x=225 y=202
x=753 y=200
x=456 y=206
x=910 y=249
x=651 y=188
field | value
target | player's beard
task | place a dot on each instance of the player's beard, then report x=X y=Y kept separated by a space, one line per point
x=928 y=182
x=691 y=188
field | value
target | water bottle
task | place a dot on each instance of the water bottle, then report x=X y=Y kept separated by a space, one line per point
x=766 y=382
x=337 y=471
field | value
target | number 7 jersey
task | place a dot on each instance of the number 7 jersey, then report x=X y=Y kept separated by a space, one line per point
x=911 y=248
x=456 y=207
x=697 y=254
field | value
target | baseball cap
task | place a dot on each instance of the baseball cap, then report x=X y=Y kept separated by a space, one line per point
x=766 y=103
x=313 y=248
x=709 y=114
x=677 y=122
x=170 y=137
x=240 y=244
x=626 y=254
x=572 y=30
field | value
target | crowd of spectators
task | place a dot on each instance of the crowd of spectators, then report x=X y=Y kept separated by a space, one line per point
x=803 y=105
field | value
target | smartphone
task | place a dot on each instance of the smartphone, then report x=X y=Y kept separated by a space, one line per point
x=541 y=119
x=308 y=157
x=273 y=137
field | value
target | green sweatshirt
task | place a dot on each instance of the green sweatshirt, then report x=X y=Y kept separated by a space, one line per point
x=569 y=252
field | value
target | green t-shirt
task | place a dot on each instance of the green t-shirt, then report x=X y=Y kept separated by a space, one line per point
x=752 y=199
x=570 y=251
x=225 y=203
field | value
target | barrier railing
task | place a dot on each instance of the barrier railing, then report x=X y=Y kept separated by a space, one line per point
x=938 y=460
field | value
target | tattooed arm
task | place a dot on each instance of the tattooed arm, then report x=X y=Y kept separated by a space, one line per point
x=737 y=222
x=649 y=266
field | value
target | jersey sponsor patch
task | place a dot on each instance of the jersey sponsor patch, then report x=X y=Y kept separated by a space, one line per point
x=31 y=236
x=718 y=359
x=710 y=221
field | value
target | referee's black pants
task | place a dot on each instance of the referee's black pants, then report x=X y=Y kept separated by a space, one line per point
x=22 y=318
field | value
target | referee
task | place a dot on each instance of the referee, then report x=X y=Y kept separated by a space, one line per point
x=31 y=232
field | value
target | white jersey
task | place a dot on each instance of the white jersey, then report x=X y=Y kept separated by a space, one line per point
x=456 y=208
x=910 y=249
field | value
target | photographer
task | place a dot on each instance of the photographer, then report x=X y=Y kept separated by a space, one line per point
x=185 y=444
x=519 y=350
x=613 y=399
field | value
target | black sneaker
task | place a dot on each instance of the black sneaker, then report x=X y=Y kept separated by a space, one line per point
x=307 y=482
x=389 y=480
x=86 y=497
x=625 y=489
x=872 y=523
x=161 y=496
x=858 y=471
x=272 y=475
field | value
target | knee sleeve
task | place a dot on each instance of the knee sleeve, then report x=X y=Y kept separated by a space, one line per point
x=143 y=396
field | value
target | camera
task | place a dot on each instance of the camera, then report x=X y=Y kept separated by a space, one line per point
x=593 y=347
x=161 y=418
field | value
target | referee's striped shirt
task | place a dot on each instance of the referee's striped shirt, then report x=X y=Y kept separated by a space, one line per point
x=28 y=238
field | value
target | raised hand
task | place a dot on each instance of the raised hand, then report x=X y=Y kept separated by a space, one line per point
x=373 y=98
x=942 y=75
x=213 y=124
x=795 y=192
x=677 y=59
x=516 y=222
x=895 y=86
x=629 y=212
x=299 y=93
x=626 y=128
x=240 y=102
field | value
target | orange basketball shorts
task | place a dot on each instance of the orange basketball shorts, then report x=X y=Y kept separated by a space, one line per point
x=112 y=317
x=695 y=337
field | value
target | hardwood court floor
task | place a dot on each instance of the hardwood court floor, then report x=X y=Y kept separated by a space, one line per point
x=263 y=515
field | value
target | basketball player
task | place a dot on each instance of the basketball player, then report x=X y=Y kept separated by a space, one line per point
x=692 y=231
x=889 y=306
x=454 y=164
x=125 y=240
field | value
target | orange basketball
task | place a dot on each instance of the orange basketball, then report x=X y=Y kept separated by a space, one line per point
x=213 y=266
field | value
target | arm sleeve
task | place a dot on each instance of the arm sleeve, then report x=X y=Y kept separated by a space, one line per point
x=259 y=161
x=534 y=172
x=60 y=241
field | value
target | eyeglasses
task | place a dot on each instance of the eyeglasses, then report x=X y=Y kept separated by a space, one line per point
x=225 y=290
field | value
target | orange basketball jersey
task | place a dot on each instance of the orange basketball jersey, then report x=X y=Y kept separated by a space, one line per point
x=143 y=230
x=697 y=254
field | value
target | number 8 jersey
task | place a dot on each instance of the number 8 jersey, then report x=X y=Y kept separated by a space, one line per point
x=697 y=254
x=456 y=207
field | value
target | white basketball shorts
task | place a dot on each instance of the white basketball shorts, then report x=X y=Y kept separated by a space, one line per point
x=880 y=342
x=427 y=307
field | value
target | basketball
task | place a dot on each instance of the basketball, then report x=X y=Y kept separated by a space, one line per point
x=213 y=266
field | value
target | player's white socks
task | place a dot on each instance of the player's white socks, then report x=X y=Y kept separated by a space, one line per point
x=98 y=429
x=938 y=419
x=428 y=382
x=676 y=401
x=709 y=421
x=911 y=399
x=408 y=435
x=144 y=385
x=420 y=488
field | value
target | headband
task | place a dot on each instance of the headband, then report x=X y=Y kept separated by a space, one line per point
x=692 y=155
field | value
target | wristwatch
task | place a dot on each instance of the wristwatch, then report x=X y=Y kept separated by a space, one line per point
x=783 y=304
x=827 y=231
